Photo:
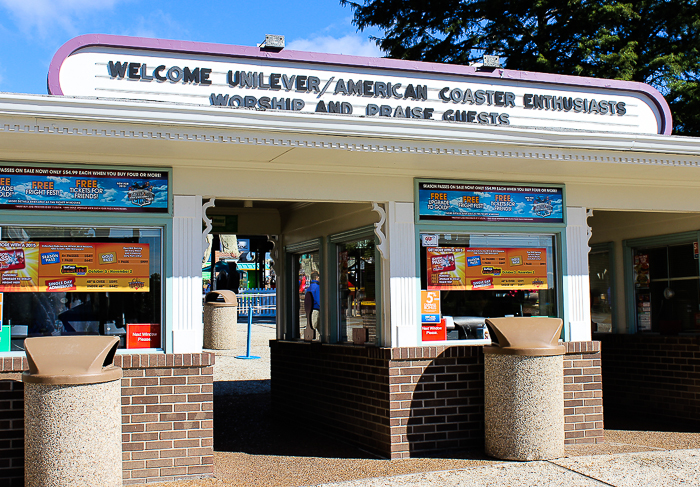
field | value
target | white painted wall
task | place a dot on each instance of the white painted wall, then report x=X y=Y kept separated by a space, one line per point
x=576 y=284
x=404 y=285
x=186 y=281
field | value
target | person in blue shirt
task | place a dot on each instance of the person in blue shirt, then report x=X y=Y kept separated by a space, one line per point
x=312 y=300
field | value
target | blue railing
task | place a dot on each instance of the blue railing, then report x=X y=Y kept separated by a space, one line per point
x=263 y=301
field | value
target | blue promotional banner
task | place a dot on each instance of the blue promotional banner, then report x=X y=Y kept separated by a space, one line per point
x=74 y=189
x=489 y=203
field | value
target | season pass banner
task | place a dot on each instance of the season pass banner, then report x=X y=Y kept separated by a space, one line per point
x=56 y=188
x=73 y=267
x=460 y=268
x=489 y=203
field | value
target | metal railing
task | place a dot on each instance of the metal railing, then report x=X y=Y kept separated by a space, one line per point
x=263 y=302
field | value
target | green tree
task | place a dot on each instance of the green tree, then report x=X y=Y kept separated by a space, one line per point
x=651 y=41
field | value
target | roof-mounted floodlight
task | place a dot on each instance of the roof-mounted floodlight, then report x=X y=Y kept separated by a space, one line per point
x=272 y=43
x=491 y=62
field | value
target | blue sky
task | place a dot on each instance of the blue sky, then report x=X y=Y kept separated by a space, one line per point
x=31 y=31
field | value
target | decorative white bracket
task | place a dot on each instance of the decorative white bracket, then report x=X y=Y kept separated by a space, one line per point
x=379 y=230
x=589 y=230
x=207 y=222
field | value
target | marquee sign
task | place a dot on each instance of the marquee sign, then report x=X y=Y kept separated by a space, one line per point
x=244 y=78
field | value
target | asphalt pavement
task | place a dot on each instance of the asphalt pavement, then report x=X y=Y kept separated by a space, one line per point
x=254 y=448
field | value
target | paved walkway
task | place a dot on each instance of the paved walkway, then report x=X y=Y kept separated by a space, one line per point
x=254 y=448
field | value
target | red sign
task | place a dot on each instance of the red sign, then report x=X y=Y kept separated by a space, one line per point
x=433 y=332
x=143 y=335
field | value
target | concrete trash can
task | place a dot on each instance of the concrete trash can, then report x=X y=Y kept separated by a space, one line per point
x=220 y=318
x=524 y=389
x=72 y=412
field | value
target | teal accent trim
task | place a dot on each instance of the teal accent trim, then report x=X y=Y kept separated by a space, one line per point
x=562 y=291
x=628 y=247
x=609 y=247
x=662 y=240
x=630 y=308
x=303 y=247
x=169 y=170
x=357 y=234
x=108 y=219
x=416 y=201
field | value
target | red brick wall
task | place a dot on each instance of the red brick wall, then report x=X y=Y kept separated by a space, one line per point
x=583 y=393
x=11 y=433
x=654 y=378
x=437 y=399
x=406 y=402
x=167 y=422
x=342 y=390
x=167 y=407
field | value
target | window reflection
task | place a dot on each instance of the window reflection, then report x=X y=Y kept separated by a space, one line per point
x=357 y=306
x=308 y=270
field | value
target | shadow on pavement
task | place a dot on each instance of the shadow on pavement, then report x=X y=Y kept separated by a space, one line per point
x=244 y=422
x=639 y=422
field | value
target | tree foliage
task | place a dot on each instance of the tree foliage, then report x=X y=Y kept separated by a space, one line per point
x=651 y=41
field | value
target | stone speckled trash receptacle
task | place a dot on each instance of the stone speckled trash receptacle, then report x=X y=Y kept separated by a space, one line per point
x=220 y=319
x=72 y=412
x=524 y=389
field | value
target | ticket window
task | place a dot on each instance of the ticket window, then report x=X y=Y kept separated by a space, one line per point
x=357 y=289
x=307 y=268
x=466 y=278
x=667 y=289
x=75 y=280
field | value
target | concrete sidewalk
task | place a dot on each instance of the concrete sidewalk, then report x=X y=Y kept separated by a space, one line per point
x=254 y=448
x=659 y=468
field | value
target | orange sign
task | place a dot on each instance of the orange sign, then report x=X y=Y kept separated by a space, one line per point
x=70 y=266
x=430 y=302
x=474 y=269
x=142 y=335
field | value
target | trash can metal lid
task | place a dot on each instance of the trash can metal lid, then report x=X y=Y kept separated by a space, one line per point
x=229 y=298
x=71 y=360
x=534 y=336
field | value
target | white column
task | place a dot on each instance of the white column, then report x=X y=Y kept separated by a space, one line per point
x=402 y=279
x=187 y=275
x=576 y=283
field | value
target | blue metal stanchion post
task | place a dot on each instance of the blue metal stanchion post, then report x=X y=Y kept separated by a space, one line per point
x=247 y=355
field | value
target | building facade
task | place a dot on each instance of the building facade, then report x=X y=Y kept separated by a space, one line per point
x=421 y=198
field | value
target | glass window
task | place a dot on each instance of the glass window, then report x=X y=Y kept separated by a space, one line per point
x=667 y=289
x=57 y=280
x=601 y=282
x=357 y=305
x=466 y=278
x=308 y=271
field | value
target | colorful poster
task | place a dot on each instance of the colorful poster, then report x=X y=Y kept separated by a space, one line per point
x=489 y=203
x=72 y=189
x=475 y=269
x=143 y=335
x=74 y=267
x=641 y=271
x=5 y=335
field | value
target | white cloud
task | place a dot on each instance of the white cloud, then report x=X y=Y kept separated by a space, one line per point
x=352 y=44
x=157 y=24
x=43 y=16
